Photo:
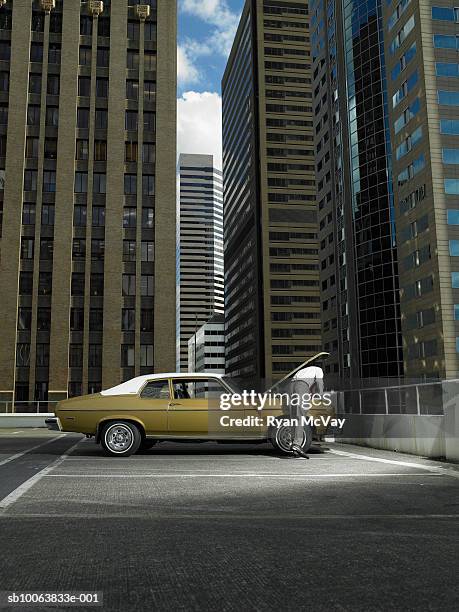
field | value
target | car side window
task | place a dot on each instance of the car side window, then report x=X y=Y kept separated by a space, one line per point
x=197 y=389
x=158 y=389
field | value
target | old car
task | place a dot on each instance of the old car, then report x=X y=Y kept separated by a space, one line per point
x=180 y=407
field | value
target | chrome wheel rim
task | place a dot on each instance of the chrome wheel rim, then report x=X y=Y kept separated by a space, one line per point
x=119 y=438
x=285 y=437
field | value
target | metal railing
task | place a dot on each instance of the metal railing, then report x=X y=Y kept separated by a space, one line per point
x=34 y=407
x=429 y=398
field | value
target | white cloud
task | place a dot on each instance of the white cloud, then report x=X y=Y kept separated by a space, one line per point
x=199 y=124
x=187 y=71
x=218 y=14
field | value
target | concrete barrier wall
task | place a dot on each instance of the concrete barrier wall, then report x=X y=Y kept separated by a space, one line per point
x=23 y=420
x=424 y=435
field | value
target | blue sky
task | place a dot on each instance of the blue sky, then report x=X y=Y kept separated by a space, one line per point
x=206 y=31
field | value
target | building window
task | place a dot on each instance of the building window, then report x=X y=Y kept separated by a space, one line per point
x=54 y=54
x=30 y=180
x=5 y=50
x=444 y=13
x=103 y=26
x=42 y=355
x=149 y=91
x=148 y=217
x=34 y=83
x=98 y=216
x=76 y=319
x=148 y=153
x=146 y=320
x=453 y=217
x=452 y=186
x=146 y=355
x=132 y=90
x=405 y=88
x=97 y=249
x=47 y=214
x=79 y=216
x=150 y=30
x=128 y=319
x=148 y=184
x=50 y=148
x=455 y=280
x=36 y=52
x=76 y=355
x=27 y=248
x=49 y=181
x=127 y=355
x=131 y=120
x=454 y=248
x=132 y=59
x=150 y=61
x=24 y=319
x=84 y=86
x=146 y=285
x=25 y=283
x=100 y=150
x=82 y=149
x=130 y=151
x=28 y=213
x=83 y=118
x=95 y=355
x=44 y=283
x=99 y=183
x=148 y=251
x=129 y=250
x=79 y=248
x=130 y=184
x=22 y=355
x=44 y=319
x=97 y=285
x=149 y=121
x=77 y=283
x=444 y=41
x=4 y=81
x=129 y=216
x=133 y=30
x=53 y=85
x=85 y=56
x=448 y=98
x=85 y=25
x=46 y=248
x=52 y=116
x=450 y=156
x=456 y=312
x=33 y=115
x=447 y=69
x=75 y=389
x=128 y=282
x=101 y=120
x=102 y=88
x=31 y=148
x=81 y=182
x=103 y=57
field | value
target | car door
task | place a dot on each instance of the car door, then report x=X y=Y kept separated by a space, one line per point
x=195 y=408
x=152 y=404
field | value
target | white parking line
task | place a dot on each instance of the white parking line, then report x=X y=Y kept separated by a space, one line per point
x=25 y=486
x=17 y=455
x=419 y=466
x=236 y=475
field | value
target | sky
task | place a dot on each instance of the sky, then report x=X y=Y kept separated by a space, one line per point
x=206 y=31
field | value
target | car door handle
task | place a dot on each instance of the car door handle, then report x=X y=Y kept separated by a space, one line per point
x=174 y=404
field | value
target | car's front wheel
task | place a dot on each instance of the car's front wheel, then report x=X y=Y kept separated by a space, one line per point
x=282 y=438
x=120 y=439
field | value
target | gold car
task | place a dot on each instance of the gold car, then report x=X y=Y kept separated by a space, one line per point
x=180 y=407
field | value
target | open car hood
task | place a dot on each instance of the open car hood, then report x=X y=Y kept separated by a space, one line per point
x=308 y=362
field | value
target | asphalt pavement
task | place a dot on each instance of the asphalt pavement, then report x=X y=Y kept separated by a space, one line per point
x=227 y=527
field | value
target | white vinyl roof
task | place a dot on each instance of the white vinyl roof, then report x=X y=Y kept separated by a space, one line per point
x=134 y=385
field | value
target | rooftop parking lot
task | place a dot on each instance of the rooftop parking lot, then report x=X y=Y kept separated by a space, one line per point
x=229 y=527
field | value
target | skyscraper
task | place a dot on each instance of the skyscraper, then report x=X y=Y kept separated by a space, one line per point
x=389 y=184
x=272 y=303
x=199 y=249
x=88 y=196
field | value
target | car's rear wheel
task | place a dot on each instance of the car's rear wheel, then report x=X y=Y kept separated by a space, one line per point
x=283 y=436
x=120 y=439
